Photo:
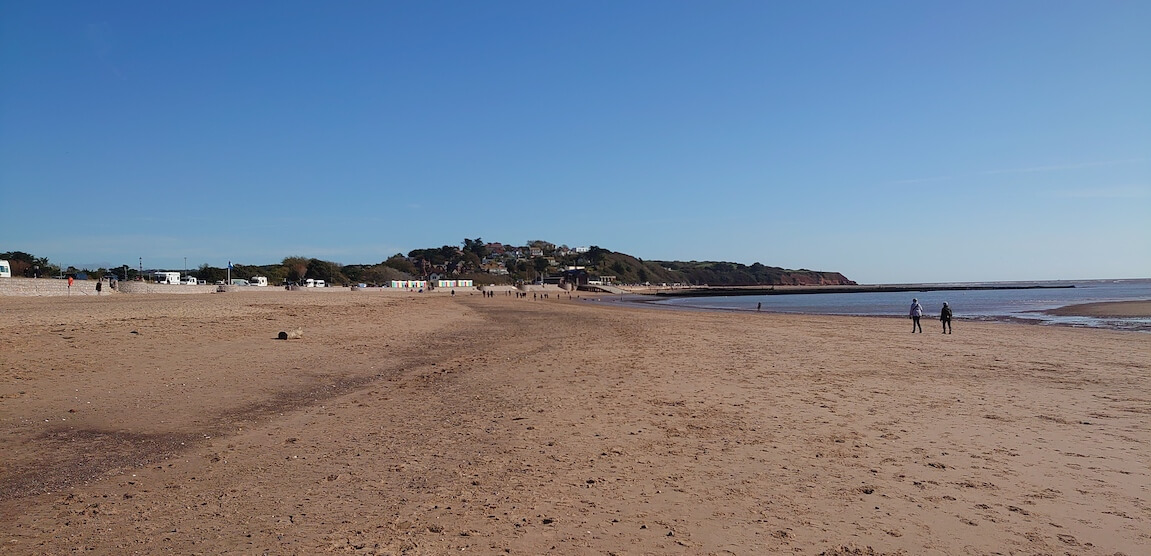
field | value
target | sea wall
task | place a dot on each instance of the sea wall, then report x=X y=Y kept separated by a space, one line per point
x=43 y=287
x=151 y=287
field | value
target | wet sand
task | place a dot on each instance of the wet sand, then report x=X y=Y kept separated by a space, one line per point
x=1115 y=309
x=429 y=424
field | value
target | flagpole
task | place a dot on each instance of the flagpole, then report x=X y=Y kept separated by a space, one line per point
x=229 y=273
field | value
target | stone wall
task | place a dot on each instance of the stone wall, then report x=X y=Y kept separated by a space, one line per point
x=41 y=287
x=150 y=287
x=51 y=286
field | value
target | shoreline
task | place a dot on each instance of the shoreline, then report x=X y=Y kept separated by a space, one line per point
x=792 y=290
x=1111 y=315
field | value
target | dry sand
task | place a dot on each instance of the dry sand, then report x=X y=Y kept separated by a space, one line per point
x=433 y=425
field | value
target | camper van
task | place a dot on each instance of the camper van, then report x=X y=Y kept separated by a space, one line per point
x=189 y=281
x=167 y=277
x=5 y=269
x=258 y=281
x=310 y=283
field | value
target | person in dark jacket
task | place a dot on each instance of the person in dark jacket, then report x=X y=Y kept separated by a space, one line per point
x=945 y=317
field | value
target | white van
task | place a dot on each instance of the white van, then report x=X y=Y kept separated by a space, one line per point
x=310 y=283
x=258 y=281
x=5 y=269
x=189 y=281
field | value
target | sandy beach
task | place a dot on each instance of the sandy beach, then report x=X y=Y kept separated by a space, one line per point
x=433 y=424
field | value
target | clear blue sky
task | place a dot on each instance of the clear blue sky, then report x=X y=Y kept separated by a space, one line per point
x=890 y=141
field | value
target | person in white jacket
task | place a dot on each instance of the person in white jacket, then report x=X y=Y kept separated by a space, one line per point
x=915 y=313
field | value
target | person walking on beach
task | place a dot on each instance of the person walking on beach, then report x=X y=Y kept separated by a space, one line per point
x=915 y=313
x=98 y=285
x=945 y=317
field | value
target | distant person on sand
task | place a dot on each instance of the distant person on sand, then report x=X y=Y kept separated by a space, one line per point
x=915 y=313
x=98 y=285
x=945 y=317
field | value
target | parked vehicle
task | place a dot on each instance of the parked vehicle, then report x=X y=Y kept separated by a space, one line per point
x=189 y=281
x=310 y=283
x=167 y=277
x=261 y=281
x=5 y=269
x=239 y=282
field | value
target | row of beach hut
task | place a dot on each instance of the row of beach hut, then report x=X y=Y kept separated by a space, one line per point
x=423 y=284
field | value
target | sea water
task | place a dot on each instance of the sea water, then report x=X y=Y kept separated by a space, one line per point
x=1026 y=305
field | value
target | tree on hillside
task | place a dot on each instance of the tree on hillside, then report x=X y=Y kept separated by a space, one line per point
x=476 y=246
x=596 y=255
x=275 y=273
x=354 y=272
x=448 y=258
x=208 y=273
x=297 y=268
x=451 y=255
x=430 y=256
x=470 y=263
x=382 y=274
x=327 y=271
x=401 y=263
x=540 y=264
x=518 y=270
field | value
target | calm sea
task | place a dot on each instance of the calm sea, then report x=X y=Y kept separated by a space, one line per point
x=1026 y=305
